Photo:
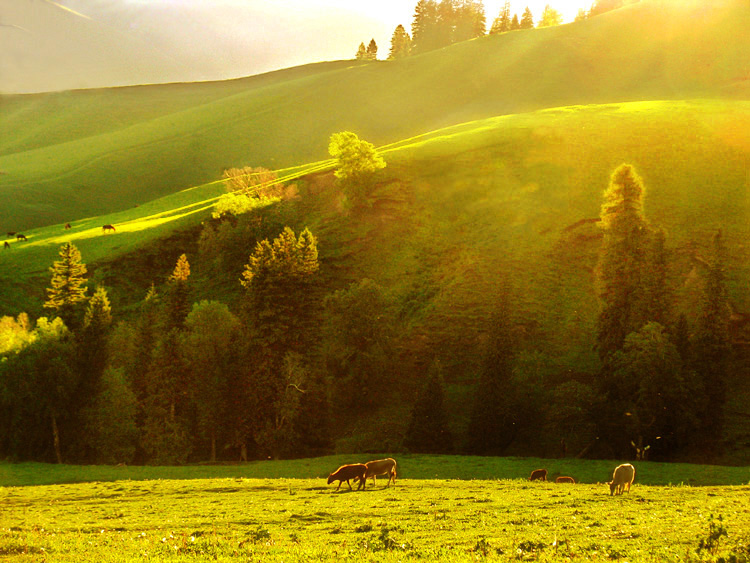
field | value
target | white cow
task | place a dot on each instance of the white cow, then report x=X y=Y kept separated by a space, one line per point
x=621 y=478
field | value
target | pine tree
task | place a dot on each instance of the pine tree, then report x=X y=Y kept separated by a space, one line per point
x=446 y=23
x=527 y=20
x=622 y=260
x=208 y=347
x=657 y=303
x=502 y=23
x=91 y=347
x=581 y=15
x=177 y=295
x=428 y=430
x=281 y=298
x=372 y=50
x=400 y=44
x=491 y=426
x=361 y=52
x=424 y=26
x=68 y=285
x=711 y=343
x=515 y=24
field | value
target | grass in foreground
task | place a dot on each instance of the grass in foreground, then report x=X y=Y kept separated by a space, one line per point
x=305 y=520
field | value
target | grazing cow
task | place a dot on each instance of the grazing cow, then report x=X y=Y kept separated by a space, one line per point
x=106 y=228
x=67 y=226
x=382 y=467
x=11 y=233
x=6 y=245
x=564 y=479
x=348 y=472
x=621 y=478
x=538 y=475
x=21 y=237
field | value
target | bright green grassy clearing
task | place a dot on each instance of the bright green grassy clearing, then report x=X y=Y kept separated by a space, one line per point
x=409 y=466
x=239 y=519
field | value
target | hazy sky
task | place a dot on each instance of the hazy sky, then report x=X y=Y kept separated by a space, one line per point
x=65 y=44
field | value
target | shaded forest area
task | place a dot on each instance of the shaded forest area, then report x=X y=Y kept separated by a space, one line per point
x=294 y=363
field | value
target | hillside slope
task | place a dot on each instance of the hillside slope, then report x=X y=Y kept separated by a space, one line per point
x=71 y=154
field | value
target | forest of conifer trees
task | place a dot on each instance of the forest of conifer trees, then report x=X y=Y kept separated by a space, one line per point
x=294 y=367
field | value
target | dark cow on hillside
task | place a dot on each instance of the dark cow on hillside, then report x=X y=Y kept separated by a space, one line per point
x=6 y=245
x=67 y=226
x=106 y=228
x=11 y=233
x=538 y=475
x=21 y=237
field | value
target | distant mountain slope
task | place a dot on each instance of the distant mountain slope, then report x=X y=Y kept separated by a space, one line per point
x=52 y=170
x=48 y=45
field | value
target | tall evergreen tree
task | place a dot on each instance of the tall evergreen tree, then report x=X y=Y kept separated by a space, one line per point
x=68 y=286
x=446 y=22
x=92 y=354
x=491 y=427
x=400 y=44
x=527 y=20
x=208 y=347
x=361 y=52
x=502 y=21
x=622 y=260
x=514 y=23
x=424 y=33
x=177 y=295
x=657 y=296
x=372 y=50
x=711 y=343
x=429 y=430
x=281 y=298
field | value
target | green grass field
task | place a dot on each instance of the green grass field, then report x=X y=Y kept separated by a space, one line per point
x=442 y=508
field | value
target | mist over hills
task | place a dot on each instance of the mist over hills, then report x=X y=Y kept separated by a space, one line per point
x=48 y=46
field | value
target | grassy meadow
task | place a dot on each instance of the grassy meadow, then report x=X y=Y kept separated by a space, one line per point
x=441 y=508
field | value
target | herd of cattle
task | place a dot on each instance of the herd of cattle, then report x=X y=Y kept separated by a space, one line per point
x=622 y=477
x=22 y=238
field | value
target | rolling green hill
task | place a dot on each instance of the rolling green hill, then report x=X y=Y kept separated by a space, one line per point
x=77 y=154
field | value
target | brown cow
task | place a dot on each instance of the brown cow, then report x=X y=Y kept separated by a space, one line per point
x=6 y=245
x=564 y=479
x=11 y=233
x=20 y=237
x=382 y=467
x=621 y=478
x=348 y=472
x=67 y=226
x=538 y=474
x=106 y=228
